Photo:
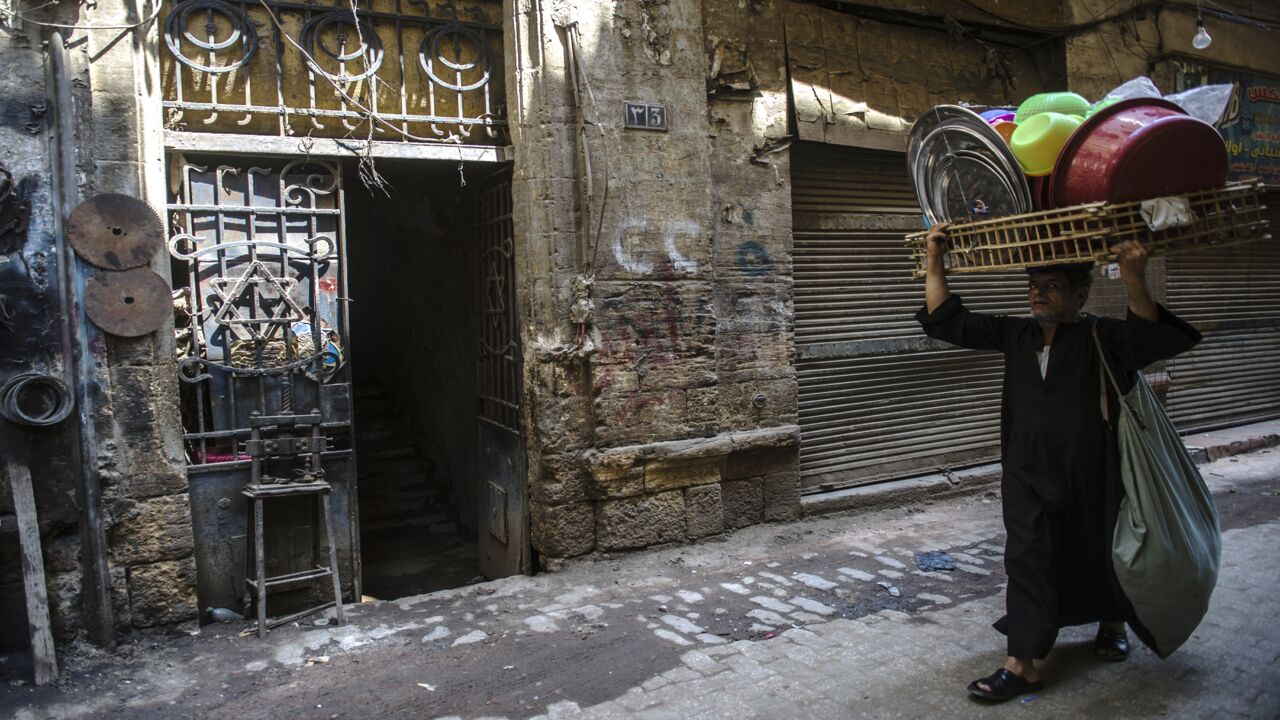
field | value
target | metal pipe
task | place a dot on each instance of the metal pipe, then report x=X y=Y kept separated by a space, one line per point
x=78 y=356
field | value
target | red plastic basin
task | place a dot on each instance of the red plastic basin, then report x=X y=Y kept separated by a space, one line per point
x=1138 y=149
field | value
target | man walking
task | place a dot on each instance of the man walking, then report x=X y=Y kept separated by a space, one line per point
x=1061 y=487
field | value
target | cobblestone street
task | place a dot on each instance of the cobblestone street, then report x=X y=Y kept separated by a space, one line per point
x=914 y=665
x=822 y=618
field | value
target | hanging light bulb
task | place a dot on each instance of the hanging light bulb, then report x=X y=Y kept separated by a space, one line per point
x=1201 y=39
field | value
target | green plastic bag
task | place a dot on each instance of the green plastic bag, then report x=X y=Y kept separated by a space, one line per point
x=1167 y=543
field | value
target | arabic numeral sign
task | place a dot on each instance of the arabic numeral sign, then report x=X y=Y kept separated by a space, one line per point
x=646 y=116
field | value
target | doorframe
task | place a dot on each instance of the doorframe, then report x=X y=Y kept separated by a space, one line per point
x=325 y=149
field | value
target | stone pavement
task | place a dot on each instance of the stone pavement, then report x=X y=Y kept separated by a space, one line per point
x=827 y=617
x=896 y=665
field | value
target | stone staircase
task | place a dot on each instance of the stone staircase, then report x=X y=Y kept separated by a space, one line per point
x=396 y=484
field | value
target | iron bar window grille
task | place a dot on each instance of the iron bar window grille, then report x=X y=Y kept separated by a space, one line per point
x=258 y=256
x=499 y=347
x=397 y=70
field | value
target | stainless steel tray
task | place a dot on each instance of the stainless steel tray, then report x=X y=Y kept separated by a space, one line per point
x=961 y=168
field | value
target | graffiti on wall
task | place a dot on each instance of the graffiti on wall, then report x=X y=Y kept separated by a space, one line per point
x=672 y=231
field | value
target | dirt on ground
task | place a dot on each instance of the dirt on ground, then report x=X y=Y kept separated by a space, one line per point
x=512 y=647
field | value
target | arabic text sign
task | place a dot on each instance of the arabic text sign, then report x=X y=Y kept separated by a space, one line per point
x=1250 y=126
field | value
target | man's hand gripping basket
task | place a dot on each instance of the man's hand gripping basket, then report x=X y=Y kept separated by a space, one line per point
x=1082 y=233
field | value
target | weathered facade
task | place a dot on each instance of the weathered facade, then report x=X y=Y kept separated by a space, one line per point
x=632 y=274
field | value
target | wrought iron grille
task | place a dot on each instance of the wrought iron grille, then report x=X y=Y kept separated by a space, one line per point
x=499 y=352
x=259 y=269
x=401 y=70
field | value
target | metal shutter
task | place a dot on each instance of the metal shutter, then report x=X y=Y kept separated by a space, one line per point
x=878 y=399
x=1232 y=295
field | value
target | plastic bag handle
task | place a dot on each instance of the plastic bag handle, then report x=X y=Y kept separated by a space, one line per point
x=1104 y=368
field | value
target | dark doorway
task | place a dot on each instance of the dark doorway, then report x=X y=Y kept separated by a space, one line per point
x=412 y=277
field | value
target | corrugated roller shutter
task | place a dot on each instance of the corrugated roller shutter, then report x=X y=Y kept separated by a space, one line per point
x=878 y=399
x=1232 y=295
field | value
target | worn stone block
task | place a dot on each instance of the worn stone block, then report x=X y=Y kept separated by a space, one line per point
x=635 y=320
x=762 y=307
x=660 y=475
x=758 y=403
x=782 y=496
x=120 y=599
x=758 y=357
x=615 y=481
x=702 y=410
x=563 y=530
x=144 y=407
x=133 y=395
x=564 y=479
x=640 y=417
x=640 y=521
x=753 y=247
x=562 y=423
x=61 y=553
x=63 y=590
x=162 y=593
x=614 y=378
x=704 y=511
x=116 y=137
x=154 y=529
x=767 y=461
x=742 y=502
x=157 y=476
x=659 y=370
x=144 y=350
x=121 y=177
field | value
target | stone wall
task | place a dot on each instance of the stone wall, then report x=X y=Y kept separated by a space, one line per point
x=132 y=566
x=1149 y=41
x=30 y=290
x=139 y=431
x=677 y=418
x=637 y=435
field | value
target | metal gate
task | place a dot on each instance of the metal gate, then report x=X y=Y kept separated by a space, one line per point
x=259 y=272
x=504 y=541
x=1232 y=295
x=877 y=399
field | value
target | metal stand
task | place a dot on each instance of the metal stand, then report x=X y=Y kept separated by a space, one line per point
x=263 y=487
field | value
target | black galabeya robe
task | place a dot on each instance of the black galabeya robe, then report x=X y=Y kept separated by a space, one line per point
x=1061 y=487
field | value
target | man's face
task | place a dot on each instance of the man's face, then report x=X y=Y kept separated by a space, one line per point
x=1052 y=299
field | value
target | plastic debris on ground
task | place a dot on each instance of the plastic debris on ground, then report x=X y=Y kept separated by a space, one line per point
x=934 y=560
x=893 y=591
x=224 y=615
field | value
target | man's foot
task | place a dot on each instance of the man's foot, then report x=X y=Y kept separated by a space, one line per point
x=1112 y=643
x=1002 y=685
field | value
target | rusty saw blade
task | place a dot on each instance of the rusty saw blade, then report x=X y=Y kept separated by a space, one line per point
x=115 y=232
x=130 y=303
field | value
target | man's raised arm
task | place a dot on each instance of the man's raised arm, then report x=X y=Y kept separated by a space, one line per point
x=936 y=290
x=1131 y=256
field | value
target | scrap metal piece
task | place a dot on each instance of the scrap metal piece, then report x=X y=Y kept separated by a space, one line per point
x=130 y=303
x=115 y=232
x=15 y=211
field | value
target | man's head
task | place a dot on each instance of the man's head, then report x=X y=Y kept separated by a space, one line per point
x=1057 y=293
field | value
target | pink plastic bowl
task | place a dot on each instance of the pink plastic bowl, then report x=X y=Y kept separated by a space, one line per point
x=1137 y=149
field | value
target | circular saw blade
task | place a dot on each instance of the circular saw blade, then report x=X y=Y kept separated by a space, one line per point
x=115 y=232
x=130 y=303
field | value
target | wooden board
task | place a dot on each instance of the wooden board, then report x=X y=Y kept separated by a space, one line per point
x=24 y=503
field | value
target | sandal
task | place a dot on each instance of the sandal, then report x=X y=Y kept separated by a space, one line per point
x=1111 y=645
x=1003 y=685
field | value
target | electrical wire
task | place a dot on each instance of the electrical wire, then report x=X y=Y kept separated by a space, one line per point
x=62 y=26
x=368 y=112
